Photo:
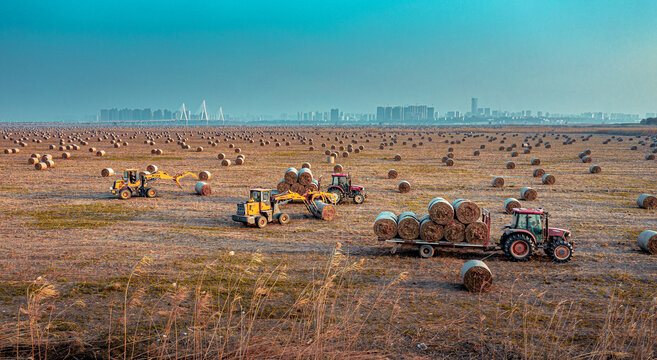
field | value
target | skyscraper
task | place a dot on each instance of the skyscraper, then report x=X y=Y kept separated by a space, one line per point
x=475 y=106
x=380 y=113
x=335 y=115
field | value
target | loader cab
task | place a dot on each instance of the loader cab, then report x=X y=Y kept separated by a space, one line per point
x=131 y=176
x=531 y=220
x=259 y=200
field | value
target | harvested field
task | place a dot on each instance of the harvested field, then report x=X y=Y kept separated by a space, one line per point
x=128 y=272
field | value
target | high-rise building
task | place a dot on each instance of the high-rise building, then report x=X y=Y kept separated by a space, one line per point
x=397 y=113
x=430 y=113
x=474 y=107
x=335 y=115
x=380 y=113
x=388 y=113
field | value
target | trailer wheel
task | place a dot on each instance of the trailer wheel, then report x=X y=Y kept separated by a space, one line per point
x=261 y=221
x=426 y=251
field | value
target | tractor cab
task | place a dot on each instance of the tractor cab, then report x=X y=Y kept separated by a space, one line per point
x=342 y=180
x=531 y=220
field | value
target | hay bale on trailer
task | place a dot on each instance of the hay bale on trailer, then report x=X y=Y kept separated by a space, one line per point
x=429 y=230
x=305 y=176
x=648 y=241
x=385 y=225
x=476 y=276
x=440 y=211
x=466 y=211
x=454 y=232
x=476 y=233
x=408 y=226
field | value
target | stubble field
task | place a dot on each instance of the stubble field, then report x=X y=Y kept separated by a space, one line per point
x=84 y=274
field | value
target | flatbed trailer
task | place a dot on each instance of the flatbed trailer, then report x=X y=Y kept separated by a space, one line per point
x=426 y=249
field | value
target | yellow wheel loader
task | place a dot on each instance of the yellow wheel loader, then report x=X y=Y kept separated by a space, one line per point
x=137 y=183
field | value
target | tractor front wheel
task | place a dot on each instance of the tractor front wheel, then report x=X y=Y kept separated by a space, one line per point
x=358 y=198
x=518 y=247
x=125 y=194
x=261 y=221
x=284 y=219
x=426 y=251
x=561 y=251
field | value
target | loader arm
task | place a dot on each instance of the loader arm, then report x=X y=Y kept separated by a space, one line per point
x=165 y=176
x=308 y=200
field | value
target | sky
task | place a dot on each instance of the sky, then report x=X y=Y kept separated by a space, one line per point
x=64 y=59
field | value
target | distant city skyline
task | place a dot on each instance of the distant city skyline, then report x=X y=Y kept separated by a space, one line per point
x=67 y=60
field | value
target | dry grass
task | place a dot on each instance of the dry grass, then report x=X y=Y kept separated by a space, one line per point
x=154 y=278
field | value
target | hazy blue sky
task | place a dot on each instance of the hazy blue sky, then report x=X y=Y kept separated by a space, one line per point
x=70 y=58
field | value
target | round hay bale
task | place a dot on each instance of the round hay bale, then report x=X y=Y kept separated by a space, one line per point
x=476 y=233
x=449 y=162
x=650 y=157
x=41 y=166
x=327 y=211
x=404 y=187
x=282 y=186
x=327 y=152
x=291 y=175
x=510 y=165
x=586 y=159
x=595 y=169
x=440 y=211
x=239 y=161
x=476 y=276
x=429 y=230
x=385 y=225
x=298 y=188
x=66 y=155
x=408 y=226
x=647 y=201
x=510 y=204
x=199 y=149
x=398 y=157
x=32 y=160
x=466 y=211
x=306 y=165
x=305 y=176
x=338 y=168
x=107 y=172
x=392 y=174
x=100 y=153
x=117 y=145
x=238 y=150
x=548 y=179
x=151 y=168
x=203 y=188
x=46 y=157
x=538 y=172
x=498 y=182
x=454 y=232
x=221 y=156
x=476 y=153
x=514 y=154
x=92 y=149
x=536 y=161
x=50 y=163
x=528 y=194
x=225 y=162
x=648 y=241
x=345 y=154
x=314 y=186
x=204 y=175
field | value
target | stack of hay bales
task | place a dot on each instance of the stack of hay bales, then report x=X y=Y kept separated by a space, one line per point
x=457 y=222
x=299 y=181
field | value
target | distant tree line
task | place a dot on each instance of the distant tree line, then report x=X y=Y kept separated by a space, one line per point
x=649 y=121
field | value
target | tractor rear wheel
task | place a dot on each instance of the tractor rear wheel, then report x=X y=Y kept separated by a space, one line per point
x=284 y=219
x=261 y=221
x=519 y=247
x=358 y=198
x=337 y=194
x=426 y=251
x=151 y=193
x=561 y=251
x=125 y=194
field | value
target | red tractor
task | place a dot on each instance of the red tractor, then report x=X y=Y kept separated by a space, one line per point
x=342 y=188
x=529 y=231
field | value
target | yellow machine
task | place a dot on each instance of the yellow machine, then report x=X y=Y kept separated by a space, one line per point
x=136 y=183
x=263 y=207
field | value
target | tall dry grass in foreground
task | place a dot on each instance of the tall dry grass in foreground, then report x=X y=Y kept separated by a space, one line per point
x=236 y=309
